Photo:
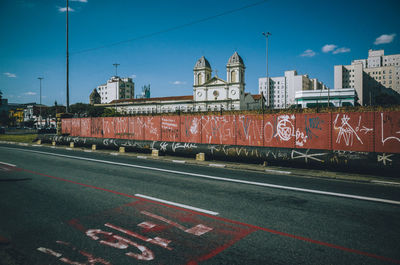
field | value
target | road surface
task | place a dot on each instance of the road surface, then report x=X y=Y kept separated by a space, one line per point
x=60 y=206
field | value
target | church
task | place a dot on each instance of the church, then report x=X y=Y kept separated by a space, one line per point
x=210 y=93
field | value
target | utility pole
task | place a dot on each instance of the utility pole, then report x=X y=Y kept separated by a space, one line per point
x=116 y=68
x=116 y=85
x=67 y=108
x=40 y=106
x=329 y=98
x=266 y=34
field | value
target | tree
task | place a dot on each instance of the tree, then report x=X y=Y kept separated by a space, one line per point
x=82 y=109
x=5 y=119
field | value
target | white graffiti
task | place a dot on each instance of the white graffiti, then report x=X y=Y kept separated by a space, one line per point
x=218 y=127
x=183 y=146
x=306 y=156
x=270 y=135
x=346 y=131
x=194 y=126
x=387 y=138
x=384 y=158
x=301 y=138
x=163 y=146
x=366 y=130
x=285 y=128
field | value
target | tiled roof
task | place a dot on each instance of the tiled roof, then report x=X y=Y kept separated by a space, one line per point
x=143 y=100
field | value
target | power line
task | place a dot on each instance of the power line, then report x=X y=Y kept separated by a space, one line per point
x=145 y=36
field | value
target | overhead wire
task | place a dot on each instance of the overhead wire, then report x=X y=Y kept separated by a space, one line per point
x=145 y=36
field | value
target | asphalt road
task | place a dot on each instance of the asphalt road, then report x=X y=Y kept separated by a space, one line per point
x=71 y=207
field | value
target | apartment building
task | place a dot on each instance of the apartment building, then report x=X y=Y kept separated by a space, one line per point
x=116 y=88
x=378 y=74
x=280 y=92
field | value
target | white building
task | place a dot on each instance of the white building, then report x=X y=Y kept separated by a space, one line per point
x=323 y=97
x=379 y=74
x=280 y=92
x=116 y=88
x=209 y=93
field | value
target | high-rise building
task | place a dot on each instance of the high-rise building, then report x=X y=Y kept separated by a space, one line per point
x=116 y=88
x=371 y=78
x=280 y=92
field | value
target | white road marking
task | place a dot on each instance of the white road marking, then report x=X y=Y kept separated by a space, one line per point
x=350 y=196
x=68 y=148
x=23 y=144
x=142 y=157
x=385 y=182
x=278 y=171
x=87 y=151
x=114 y=154
x=179 y=161
x=177 y=204
x=7 y=164
x=217 y=165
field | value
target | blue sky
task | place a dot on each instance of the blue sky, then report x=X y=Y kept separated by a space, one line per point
x=32 y=42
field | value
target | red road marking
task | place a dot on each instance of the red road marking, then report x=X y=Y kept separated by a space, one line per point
x=350 y=250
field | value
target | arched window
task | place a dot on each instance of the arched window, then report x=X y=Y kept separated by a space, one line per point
x=199 y=79
x=233 y=76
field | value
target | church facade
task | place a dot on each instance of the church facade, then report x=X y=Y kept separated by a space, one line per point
x=210 y=93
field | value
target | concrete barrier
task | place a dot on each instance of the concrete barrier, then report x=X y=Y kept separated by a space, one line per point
x=317 y=158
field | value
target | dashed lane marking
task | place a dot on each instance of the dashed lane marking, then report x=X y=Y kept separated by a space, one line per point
x=177 y=204
x=8 y=164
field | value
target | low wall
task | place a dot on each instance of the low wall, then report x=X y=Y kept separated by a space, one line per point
x=345 y=160
x=343 y=131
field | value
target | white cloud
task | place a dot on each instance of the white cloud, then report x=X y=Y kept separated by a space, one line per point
x=308 y=53
x=385 y=38
x=329 y=47
x=178 y=83
x=64 y=9
x=133 y=76
x=30 y=93
x=341 y=50
x=10 y=75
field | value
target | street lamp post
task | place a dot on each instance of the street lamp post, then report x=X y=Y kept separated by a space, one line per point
x=67 y=108
x=40 y=105
x=266 y=34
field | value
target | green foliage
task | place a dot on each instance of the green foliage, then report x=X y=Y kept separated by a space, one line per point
x=21 y=138
x=111 y=112
x=87 y=110
x=5 y=119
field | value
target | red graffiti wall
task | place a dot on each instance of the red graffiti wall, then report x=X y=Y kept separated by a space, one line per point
x=108 y=127
x=136 y=128
x=96 y=127
x=387 y=132
x=121 y=126
x=86 y=124
x=191 y=129
x=66 y=126
x=170 y=129
x=152 y=130
x=218 y=129
x=75 y=127
x=249 y=130
x=279 y=130
x=347 y=131
x=313 y=131
x=353 y=131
